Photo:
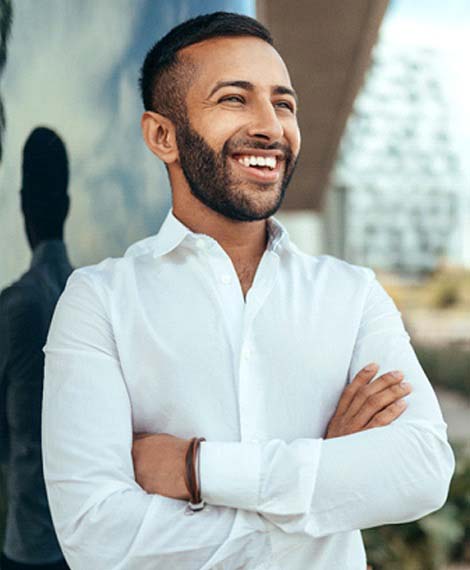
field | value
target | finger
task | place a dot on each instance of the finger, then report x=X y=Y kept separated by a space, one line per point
x=387 y=416
x=385 y=381
x=380 y=401
x=362 y=378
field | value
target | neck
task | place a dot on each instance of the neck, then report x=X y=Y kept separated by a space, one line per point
x=244 y=242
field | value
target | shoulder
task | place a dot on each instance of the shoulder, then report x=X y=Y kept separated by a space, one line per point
x=336 y=265
x=336 y=268
x=19 y=298
x=98 y=285
x=331 y=270
x=115 y=272
x=101 y=274
x=329 y=281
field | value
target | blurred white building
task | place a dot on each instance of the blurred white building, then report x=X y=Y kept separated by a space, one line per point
x=398 y=198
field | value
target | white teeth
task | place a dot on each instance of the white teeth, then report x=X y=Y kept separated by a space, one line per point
x=269 y=161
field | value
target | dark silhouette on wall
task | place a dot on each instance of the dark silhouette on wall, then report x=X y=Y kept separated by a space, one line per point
x=26 y=309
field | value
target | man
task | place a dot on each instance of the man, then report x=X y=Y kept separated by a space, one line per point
x=26 y=309
x=218 y=327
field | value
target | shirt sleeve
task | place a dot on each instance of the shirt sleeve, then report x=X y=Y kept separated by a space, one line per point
x=103 y=518
x=391 y=474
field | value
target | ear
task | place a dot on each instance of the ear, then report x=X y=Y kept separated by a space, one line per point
x=159 y=135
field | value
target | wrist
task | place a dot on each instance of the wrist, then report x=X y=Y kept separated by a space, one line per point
x=182 y=489
x=191 y=473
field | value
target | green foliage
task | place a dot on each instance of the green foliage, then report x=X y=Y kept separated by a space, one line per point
x=459 y=497
x=446 y=295
x=447 y=366
x=432 y=542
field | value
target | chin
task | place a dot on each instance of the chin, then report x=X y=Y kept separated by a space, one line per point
x=264 y=212
x=267 y=204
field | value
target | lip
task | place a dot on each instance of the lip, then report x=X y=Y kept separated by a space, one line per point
x=259 y=152
x=265 y=175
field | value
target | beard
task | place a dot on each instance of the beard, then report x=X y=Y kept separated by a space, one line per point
x=212 y=182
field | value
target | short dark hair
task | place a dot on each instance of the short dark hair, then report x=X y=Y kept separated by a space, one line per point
x=165 y=77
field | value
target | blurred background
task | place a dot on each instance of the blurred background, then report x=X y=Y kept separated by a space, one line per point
x=383 y=181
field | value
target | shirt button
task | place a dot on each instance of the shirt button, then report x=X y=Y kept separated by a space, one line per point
x=200 y=243
x=226 y=279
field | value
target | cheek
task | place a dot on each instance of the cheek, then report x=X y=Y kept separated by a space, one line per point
x=293 y=136
x=217 y=127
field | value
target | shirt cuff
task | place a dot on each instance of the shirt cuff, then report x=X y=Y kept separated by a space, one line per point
x=230 y=473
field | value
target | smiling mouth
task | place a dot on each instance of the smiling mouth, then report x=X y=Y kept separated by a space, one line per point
x=259 y=167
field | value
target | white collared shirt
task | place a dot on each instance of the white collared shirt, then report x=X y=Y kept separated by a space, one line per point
x=162 y=341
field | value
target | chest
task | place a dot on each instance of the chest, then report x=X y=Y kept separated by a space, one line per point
x=197 y=361
x=246 y=273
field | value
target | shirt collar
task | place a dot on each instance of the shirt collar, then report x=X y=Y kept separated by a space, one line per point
x=278 y=236
x=173 y=232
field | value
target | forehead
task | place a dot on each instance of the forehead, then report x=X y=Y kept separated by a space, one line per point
x=242 y=58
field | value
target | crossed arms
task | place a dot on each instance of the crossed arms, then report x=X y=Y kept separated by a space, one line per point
x=314 y=487
x=159 y=459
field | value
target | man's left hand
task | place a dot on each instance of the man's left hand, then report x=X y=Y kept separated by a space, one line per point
x=159 y=464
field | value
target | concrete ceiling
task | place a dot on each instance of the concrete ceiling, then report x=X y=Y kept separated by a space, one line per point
x=326 y=45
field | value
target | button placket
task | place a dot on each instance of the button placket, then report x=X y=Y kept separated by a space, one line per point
x=249 y=394
x=220 y=273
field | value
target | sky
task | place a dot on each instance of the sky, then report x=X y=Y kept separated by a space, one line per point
x=73 y=66
x=444 y=27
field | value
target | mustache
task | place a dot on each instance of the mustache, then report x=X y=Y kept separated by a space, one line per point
x=238 y=147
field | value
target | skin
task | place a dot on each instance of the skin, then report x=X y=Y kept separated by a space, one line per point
x=365 y=404
x=236 y=118
x=261 y=119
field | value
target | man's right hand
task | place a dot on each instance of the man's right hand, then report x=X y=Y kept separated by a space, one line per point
x=365 y=404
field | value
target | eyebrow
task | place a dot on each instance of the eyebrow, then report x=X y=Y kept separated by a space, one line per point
x=248 y=86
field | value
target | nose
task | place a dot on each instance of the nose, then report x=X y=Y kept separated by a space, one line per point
x=265 y=123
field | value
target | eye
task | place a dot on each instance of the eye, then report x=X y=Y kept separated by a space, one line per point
x=285 y=105
x=232 y=99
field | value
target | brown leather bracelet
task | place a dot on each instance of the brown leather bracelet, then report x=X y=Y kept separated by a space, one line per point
x=191 y=479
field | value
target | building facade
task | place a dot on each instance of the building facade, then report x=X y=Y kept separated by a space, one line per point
x=398 y=198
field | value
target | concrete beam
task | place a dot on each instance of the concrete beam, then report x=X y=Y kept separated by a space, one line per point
x=327 y=46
